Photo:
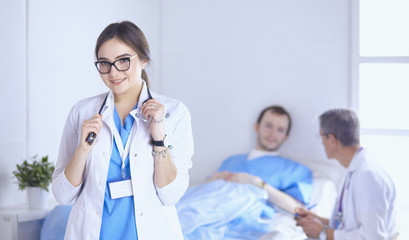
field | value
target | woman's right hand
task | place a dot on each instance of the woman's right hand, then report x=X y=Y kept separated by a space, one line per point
x=88 y=126
x=75 y=168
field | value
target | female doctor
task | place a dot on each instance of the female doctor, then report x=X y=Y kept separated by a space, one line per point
x=126 y=182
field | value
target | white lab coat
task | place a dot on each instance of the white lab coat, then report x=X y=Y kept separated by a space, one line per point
x=155 y=214
x=368 y=203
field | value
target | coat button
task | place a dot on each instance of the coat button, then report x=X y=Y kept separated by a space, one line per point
x=135 y=155
x=141 y=214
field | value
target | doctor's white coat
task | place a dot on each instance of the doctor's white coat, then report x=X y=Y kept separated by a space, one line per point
x=155 y=214
x=368 y=205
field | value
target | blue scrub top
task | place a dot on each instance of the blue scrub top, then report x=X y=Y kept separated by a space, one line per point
x=118 y=217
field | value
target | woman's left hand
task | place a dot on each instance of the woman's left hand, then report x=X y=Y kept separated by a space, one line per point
x=155 y=110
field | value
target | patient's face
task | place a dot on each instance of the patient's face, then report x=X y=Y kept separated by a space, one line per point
x=272 y=131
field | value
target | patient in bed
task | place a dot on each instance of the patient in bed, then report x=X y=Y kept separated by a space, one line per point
x=240 y=200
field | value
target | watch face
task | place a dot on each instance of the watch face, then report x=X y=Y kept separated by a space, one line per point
x=323 y=234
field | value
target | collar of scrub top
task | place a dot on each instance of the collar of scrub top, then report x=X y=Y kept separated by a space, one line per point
x=109 y=99
x=145 y=94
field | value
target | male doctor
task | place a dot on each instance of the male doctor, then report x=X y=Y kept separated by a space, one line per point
x=365 y=208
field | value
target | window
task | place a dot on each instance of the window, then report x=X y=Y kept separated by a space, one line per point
x=380 y=87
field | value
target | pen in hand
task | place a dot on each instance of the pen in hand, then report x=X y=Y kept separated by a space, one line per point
x=308 y=208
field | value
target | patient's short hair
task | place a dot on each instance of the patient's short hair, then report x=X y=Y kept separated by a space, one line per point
x=277 y=110
x=343 y=124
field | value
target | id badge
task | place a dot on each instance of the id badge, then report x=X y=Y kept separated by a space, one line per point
x=120 y=189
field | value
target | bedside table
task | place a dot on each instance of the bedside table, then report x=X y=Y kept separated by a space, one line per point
x=21 y=223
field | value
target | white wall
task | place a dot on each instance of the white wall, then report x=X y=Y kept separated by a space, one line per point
x=13 y=97
x=226 y=60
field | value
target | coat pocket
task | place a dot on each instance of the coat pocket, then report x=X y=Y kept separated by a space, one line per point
x=164 y=216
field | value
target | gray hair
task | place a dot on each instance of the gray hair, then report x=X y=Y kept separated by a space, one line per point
x=343 y=124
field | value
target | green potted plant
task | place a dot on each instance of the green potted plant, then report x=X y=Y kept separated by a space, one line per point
x=36 y=177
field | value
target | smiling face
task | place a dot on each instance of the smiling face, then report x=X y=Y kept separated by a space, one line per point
x=272 y=131
x=120 y=82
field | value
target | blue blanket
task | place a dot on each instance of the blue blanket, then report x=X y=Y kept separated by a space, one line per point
x=220 y=209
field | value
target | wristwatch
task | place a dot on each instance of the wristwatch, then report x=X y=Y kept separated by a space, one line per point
x=162 y=143
x=262 y=184
x=323 y=233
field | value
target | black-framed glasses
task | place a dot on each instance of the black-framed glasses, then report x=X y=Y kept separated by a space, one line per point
x=122 y=64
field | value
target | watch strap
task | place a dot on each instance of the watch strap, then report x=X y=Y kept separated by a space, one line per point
x=160 y=143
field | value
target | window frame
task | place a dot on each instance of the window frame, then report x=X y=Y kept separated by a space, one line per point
x=356 y=60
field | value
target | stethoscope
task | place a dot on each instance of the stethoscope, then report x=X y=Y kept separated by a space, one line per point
x=149 y=119
x=92 y=136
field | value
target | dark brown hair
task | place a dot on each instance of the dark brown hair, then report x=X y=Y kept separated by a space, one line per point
x=128 y=33
x=277 y=110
